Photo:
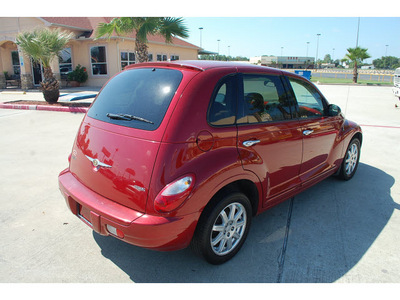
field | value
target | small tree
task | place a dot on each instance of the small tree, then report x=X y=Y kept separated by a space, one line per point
x=356 y=55
x=386 y=62
x=43 y=45
x=327 y=59
x=144 y=26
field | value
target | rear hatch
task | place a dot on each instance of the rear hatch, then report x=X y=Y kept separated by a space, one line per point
x=118 y=141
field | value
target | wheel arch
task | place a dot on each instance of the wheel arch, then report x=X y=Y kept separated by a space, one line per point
x=358 y=135
x=245 y=186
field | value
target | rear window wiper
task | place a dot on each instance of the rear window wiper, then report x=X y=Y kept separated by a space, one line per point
x=127 y=117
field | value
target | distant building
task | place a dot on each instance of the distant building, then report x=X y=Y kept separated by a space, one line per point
x=369 y=67
x=288 y=62
x=327 y=65
x=255 y=60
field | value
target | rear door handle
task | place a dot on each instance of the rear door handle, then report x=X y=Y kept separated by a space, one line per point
x=250 y=143
x=307 y=132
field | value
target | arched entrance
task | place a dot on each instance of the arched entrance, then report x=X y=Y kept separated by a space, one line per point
x=15 y=71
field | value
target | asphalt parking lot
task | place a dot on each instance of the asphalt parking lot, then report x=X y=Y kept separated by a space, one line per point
x=334 y=232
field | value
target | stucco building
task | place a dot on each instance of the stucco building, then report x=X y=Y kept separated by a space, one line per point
x=102 y=58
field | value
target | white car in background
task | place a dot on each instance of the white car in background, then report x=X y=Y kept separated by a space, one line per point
x=396 y=88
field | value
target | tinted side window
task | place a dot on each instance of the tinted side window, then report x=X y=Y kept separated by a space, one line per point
x=308 y=99
x=145 y=93
x=264 y=99
x=222 y=110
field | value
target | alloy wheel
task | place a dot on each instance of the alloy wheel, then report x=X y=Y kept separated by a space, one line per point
x=351 y=159
x=228 y=228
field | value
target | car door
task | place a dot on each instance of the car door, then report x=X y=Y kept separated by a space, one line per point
x=319 y=131
x=269 y=139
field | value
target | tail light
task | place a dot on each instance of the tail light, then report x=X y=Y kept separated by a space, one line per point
x=174 y=194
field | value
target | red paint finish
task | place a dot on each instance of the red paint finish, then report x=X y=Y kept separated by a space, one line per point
x=276 y=159
x=131 y=160
x=117 y=169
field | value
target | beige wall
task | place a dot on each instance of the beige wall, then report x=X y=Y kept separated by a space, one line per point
x=81 y=55
x=11 y=26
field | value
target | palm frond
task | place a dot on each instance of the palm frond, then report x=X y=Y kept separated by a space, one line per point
x=148 y=26
x=168 y=27
x=44 y=44
x=357 y=54
x=171 y=27
x=29 y=45
x=119 y=26
x=105 y=29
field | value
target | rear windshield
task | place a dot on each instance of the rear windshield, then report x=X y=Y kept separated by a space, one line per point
x=137 y=98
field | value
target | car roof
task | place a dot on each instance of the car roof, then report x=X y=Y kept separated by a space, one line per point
x=203 y=65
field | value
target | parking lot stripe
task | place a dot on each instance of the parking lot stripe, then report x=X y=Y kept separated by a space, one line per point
x=380 y=126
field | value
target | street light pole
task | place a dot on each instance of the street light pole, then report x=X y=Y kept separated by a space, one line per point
x=358 y=31
x=307 y=49
x=316 y=56
x=386 y=49
x=201 y=29
x=218 y=45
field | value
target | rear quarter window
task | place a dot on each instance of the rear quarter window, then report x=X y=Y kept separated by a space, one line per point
x=222 y=110
x=144 y=94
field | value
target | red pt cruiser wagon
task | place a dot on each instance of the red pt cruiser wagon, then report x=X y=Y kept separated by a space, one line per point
x=183 y=153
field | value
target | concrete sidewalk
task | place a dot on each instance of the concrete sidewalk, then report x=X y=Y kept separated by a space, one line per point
x=11 y=94
x=10 y=99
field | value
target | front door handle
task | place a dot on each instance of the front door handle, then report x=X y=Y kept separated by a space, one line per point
x=250 y=143
x=307 y=132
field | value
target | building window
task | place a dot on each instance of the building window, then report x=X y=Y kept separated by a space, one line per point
x=127 y=58
x=65 y=61
x=150 y=57
x=174 y=57
x=162 y=57
x=98 y=60
x=15 y=62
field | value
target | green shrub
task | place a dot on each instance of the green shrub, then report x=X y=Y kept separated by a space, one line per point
x=79 y=74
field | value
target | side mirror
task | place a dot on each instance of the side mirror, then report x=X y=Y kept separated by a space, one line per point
x=333 y=110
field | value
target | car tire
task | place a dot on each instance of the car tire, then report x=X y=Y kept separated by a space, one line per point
x=350 y=160
x=223 y=228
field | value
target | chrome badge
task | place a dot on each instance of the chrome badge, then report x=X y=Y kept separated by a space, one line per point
x=97 y=164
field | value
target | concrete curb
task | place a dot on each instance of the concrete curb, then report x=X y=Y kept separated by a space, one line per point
x=45 y=107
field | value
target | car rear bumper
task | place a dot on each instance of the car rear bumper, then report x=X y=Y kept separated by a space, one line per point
x=147 y=231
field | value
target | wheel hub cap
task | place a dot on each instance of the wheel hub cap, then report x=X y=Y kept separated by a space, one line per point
x=351 y=159
x=228 y=228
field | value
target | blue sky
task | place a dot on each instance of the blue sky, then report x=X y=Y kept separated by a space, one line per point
x=259 y=27
x=254 y=36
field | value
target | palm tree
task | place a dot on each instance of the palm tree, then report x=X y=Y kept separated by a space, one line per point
x=144 y=26
x=356 y=55
x=43 y=45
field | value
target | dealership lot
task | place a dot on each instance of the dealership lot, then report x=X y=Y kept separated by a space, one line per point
x=334 y=232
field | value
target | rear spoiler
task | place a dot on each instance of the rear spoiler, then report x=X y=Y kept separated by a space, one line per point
x=177 y=64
